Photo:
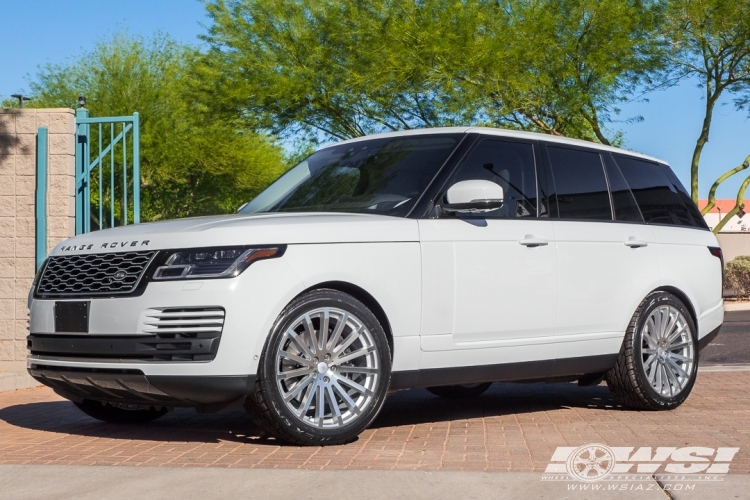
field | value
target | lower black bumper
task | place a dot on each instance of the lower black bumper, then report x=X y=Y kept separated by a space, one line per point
x=135 y=388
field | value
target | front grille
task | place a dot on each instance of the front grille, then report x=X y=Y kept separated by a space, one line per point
x=93 y=274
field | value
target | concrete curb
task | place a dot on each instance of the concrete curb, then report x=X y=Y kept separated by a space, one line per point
x=11 y=381
x=742 y=305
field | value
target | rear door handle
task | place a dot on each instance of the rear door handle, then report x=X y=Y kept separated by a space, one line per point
x=634 y=243
x=530 y=241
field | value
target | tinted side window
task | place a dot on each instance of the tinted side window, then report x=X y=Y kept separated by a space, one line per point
x=693 y=212
x=509 y=164
x=580 y=186
x=623 y=201
x=656 y=196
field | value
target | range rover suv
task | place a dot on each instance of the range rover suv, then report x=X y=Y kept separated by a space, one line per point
x=443 y=258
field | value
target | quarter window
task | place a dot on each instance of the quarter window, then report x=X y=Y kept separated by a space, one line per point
x=580 y=185
x=623 y=201
x=655 y=193
x=509 y=164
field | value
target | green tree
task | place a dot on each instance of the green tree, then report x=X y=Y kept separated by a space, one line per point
x=193 y=162
x=344 y=68
x=711 y=42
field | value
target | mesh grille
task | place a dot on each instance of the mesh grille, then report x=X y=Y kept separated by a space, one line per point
x=93 y=274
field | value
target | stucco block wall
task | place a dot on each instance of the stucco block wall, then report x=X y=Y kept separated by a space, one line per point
x=18 y=130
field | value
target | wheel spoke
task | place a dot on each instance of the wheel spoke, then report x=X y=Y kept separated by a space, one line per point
x=669 y=324
x=679 y=357
x=295 y=358
x=356 y=354
x=334 y=406
x=677 y=368
x=320 y=405
x=309 y=395
x=357 y=369
x=340 y=324
x=323 y=338
x=301 y=343
x=677 y=333
x=650 y=361
x=311 y=332
x=681 y=345
x=355 y=386
x=345 y=396
x=294 y=373
x=298 y=388
x=354 y=335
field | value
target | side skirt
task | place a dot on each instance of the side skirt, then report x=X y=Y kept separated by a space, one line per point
x=508 y=372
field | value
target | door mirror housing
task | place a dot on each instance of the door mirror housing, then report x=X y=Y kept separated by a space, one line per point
x=475 y=196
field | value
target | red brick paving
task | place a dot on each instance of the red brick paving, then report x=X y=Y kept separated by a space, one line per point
x=512 y=427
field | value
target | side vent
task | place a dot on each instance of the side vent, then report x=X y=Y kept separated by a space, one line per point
x=183 y=322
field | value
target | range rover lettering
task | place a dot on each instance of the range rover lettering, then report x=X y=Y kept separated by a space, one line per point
x=440 y=258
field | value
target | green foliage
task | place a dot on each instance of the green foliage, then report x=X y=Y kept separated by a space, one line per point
x=193 y=162
x=344 y=68
x=737 y=276
x=710 y=41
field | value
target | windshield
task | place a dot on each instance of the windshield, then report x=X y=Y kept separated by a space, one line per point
x=377 y=176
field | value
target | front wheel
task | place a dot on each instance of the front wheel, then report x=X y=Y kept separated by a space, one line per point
x=106 y=412
x=658 y=361
x=324 y=372
x=462 y=391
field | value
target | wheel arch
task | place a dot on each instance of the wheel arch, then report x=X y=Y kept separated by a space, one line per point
x=363 y=296
x=684 y=298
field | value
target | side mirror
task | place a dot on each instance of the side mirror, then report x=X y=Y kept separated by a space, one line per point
x=474 y=196
x=242 y=206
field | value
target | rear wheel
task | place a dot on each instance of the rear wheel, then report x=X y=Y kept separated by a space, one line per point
x=658 y=361
x=119 y=414
x=324 y=372
x=460 y=391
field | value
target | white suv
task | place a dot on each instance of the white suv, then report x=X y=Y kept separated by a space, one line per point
x=445 y=258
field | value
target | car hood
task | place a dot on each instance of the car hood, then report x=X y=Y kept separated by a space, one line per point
x=244 y=229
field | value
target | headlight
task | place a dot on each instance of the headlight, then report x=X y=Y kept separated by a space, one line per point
x=206 y=263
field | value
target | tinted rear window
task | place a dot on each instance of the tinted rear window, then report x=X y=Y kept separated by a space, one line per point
x=657 y=196
x=623 y=201
x=580 y=186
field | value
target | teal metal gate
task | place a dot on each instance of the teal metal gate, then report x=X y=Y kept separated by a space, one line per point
x=108 y=191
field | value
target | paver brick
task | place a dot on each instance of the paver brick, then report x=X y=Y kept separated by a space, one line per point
x=510 y=428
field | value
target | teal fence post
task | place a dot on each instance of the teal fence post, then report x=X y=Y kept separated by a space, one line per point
x=40 y=208
x=81 y=168
x=136 y=169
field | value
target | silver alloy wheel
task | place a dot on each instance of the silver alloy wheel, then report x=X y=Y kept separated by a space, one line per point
x=327 y=367
x=667 y=351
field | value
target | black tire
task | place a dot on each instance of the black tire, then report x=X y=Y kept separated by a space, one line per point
x=462 y=391
x=628 y=380
x=266 y=405
x=106 y=412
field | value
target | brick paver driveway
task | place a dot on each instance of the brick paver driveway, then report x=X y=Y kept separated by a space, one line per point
x=510 y=428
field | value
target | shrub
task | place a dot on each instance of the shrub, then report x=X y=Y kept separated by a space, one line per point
x=737 y=276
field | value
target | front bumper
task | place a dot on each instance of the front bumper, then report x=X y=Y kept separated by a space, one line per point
x=133 y=387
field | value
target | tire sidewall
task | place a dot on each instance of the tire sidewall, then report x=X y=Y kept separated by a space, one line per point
x=267 y=368
x=657 y=400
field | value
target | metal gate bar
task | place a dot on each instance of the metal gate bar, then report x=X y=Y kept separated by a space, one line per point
x=85 y=167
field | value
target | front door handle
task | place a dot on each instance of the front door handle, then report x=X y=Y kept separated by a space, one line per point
x=634 y=243
x=530 y=241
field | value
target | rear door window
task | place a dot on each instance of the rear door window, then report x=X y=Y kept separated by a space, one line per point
x=657 y=197
x=580 y=187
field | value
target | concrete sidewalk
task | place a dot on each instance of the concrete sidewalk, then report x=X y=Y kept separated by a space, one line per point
x=45 y=482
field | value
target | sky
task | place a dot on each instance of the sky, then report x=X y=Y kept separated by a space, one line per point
x=36 y=32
